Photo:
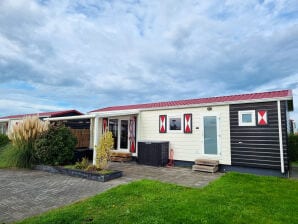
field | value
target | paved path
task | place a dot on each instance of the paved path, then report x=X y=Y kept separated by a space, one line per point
x=177 y=175
x=24 y=193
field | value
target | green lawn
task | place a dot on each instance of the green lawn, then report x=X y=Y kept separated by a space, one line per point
x=234 y=198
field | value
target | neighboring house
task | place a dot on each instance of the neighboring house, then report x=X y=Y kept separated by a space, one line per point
x=292 y=126
x=7 y=122
x=244 y=132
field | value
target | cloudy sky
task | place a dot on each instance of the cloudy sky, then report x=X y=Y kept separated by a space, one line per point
x=85 y=55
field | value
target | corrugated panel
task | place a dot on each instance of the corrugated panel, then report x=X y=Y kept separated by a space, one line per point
x=220 y=99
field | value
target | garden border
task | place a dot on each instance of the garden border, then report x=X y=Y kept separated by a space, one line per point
x=80 y=173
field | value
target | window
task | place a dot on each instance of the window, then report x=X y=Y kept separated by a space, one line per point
x=247 y=118
x=175 y=123
x=124 y=134
x=113 y=127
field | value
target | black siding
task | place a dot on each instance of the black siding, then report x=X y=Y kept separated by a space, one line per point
x=259 y=145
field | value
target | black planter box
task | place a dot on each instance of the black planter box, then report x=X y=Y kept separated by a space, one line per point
x=80 y=173
x=153 y=153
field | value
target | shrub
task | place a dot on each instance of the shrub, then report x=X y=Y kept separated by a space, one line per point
x=23 y=136
x=3 y=140
x=83 y=164
x=55 y=146
x=92 y=168
x=293 y=147
x=103 y=150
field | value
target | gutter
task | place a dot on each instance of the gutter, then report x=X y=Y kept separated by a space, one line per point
x=69 y=117
x=282 y=165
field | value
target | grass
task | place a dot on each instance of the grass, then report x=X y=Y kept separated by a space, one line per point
x=7 y=153
x=234 y=198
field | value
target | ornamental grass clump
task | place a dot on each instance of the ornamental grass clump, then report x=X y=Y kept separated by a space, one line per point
x=103 y=152
x=23 y=136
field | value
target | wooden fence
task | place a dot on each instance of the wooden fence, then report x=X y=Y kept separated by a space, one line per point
x=83 y=136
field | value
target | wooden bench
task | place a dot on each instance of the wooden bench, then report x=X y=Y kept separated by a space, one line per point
x=206 y=165
x=120 y=156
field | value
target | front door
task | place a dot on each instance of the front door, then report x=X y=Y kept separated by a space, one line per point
x=119 y=129
x=210 y=135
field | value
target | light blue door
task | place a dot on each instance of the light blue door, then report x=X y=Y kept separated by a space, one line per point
x=210 y=135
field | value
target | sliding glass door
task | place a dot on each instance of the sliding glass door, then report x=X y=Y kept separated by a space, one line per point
x=119 y=129
x=124 y=134
x=113 y=127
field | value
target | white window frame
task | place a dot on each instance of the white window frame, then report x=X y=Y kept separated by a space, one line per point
x=169 y=124
x=253 y=118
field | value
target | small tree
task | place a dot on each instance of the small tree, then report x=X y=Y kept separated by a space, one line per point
x=103 y=150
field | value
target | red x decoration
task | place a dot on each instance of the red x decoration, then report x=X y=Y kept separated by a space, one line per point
x=162 y=123
x=187 y=123
x=262 y=117
x=104 y=124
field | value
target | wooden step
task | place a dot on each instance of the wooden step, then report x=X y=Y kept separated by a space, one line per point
x=211 y=169
x=121 y=154
x=207 y=162
x=120 y=159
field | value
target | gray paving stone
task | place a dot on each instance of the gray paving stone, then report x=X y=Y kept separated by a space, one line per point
x=24 y=193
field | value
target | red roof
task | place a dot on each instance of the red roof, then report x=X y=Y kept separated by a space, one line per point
x=44 y=114
x=210 y=100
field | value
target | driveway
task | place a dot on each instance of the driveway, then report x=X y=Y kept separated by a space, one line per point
x=24 y=193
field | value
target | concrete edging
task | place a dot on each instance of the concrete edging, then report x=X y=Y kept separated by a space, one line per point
x=79 y=173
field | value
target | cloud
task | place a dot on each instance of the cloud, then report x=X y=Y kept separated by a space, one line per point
x=90 y=54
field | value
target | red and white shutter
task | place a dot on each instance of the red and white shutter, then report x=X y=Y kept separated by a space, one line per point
x=162 y=123
x=132 y=133
x=187 y=123
x=104 y=124
x=262 y=117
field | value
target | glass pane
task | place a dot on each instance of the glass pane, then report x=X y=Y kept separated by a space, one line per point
x=124 y=134
x=246 y=118
x=210 y=135
x=113 y=127
x=175 y=123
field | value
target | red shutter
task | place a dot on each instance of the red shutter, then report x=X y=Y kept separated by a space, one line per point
x=187 y=123
x=132 y=133
x=104 y=124
x=162 y=123
x=262 y=117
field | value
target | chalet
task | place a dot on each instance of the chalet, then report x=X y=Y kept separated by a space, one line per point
x=243 y=132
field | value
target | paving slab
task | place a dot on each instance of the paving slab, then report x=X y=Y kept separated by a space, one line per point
x=24 y=193
x=177 y=175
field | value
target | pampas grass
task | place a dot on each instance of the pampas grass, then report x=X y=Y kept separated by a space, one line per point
x=23 y=136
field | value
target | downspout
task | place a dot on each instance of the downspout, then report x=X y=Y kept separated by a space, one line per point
x=95 y=138
x=282 y=165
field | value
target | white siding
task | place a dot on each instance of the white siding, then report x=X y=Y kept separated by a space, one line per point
x=187 y=147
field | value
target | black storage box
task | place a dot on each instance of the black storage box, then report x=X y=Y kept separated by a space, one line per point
x=79 y=154
x=154 y=153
